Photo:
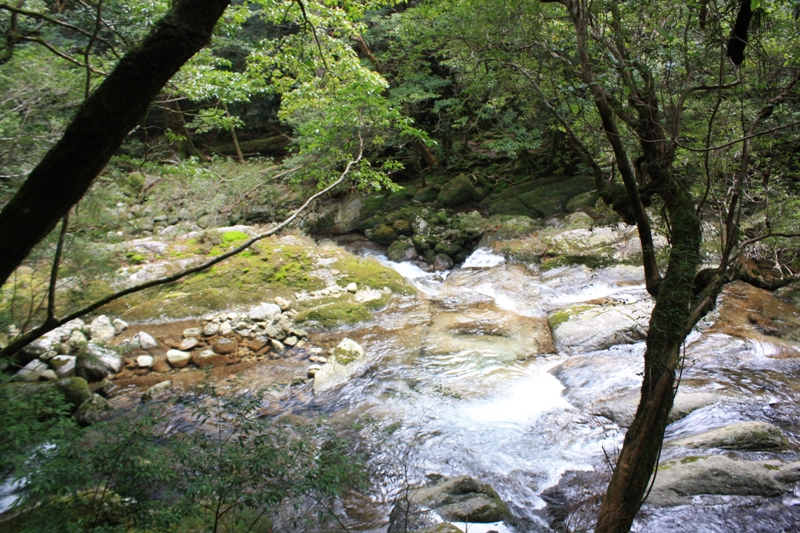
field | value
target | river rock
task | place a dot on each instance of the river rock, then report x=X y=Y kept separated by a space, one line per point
x=678 y=480
x=31 y=372
x=188 y=344
x=97 y=363
x=283 y=303
x=189 y=333
x=144 y=340
x=48 y=375
x=155 y=390
x=102 y=330
x=461 y=499
x=75 y=390
x=225 y=328
x=442 y=262
x=178 y=358
x=588 y=328
x=345 y=361
x=160 y=364
x=456 y=191
x=352 y=288
x=623 y=408
x=77 y=340
x=277 y=345
x=225 y=346
x=738 y=436
x=144 y=361
x=64 y=365
x=209 y=358
x=36 y=348
x=210 y=329
x=264 y=311
x=119 y=325
x=93 y=410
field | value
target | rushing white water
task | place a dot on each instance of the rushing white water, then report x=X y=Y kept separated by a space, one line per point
x=455 y=373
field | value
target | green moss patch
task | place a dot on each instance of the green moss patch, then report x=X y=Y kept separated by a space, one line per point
x=335 y=314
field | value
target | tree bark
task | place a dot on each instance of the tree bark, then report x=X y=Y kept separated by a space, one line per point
x=100 y=126
x=670 y=322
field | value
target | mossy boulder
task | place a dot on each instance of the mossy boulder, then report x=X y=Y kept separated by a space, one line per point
x=93 y=410
x=402 y=227
x=75 y=390
x=585 y=200
x=455 y=192
x=335 y=314
x=511 y=206
x=460 y=499
x=426 y=195
x=384 y=234
x=398 y=250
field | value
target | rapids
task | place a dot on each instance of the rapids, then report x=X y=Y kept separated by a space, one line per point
x=465 y=378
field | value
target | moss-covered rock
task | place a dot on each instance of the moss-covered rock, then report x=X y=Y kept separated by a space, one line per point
x=397 y=251
x=75 y=390
x=384 y=234
x=585 y=200
x=455 y=192
x=402 y=227
x=511 y=206
x=93 y=410
x=335 y=314
x=426 y=195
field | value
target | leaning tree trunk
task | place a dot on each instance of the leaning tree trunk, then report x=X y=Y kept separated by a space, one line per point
x=100 y=126
x=668 y=328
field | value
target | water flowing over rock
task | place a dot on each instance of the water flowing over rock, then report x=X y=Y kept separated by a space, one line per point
x=347 y=359
x=738 y=436
x=458 y=499
x=678 y=480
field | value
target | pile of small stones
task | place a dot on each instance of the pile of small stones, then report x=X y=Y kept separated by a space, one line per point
x=221 y=339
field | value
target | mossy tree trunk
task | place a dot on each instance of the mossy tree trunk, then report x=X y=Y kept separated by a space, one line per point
x=100 y=126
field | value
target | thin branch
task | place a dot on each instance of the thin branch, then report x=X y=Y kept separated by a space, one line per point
x=37 y=332
x=51 y=20
x=61 y=54
x=51 y=291
x=87 y=53
x=741 y=139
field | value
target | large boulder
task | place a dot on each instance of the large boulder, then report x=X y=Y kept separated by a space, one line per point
x=383 y=234
x=586 y=328
x=94 y=409
x=456 y=191
x=738 y=436
x=457 y=499
x=75 y=390
x=97 y=363
x=678 y=480
x=102 y=329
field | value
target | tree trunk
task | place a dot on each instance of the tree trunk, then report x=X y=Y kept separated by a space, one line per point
x=669 y=324
x=175 y=122
x=100 y=126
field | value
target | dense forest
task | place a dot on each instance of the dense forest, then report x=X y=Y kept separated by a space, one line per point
x=129 y=126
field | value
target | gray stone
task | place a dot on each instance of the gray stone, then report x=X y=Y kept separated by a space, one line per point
x=290 y=341
x=192 y=332
x=77 y=339
x=678 y=480
x=225 y=328
x=738 y=436
x=188 y=344
x=119 y=325
x=587 y=328
x=178 y=359
x=352 y=288
x=211 y=329
x=461 y=499
x=277 y=345
x=347 y=359
x=283 y=303
x=94 y=409
x=442 y=262
x=264 y=311
x=64 y=365
x=144 y=340
x=145 y=361
x=97 y=363
x=31 y=372
x=102 y=330
x=48 y=375
x=154 y=391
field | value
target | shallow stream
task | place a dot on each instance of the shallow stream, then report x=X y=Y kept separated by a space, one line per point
x=464 y=378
